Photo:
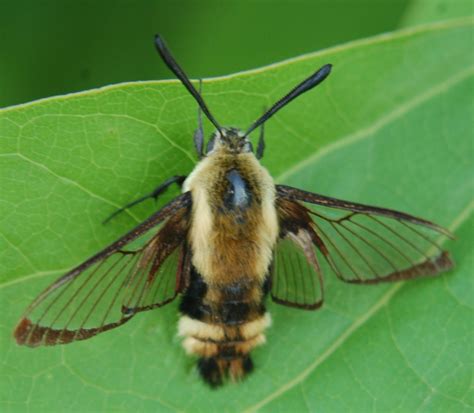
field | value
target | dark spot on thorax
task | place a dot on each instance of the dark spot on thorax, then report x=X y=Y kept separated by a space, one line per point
x=237 y=196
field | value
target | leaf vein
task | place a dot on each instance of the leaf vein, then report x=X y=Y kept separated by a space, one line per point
x=365 y=133
x=74 y=183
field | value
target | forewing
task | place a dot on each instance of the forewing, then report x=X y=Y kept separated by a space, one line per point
x=140 y=271
x=160 y=273
x=296 y=278
x=368 y=245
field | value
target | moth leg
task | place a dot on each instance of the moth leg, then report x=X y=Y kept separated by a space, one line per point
x=261 y=143
x=178 y=179
x=199 y=132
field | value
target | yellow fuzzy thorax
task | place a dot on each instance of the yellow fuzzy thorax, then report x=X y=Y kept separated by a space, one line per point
x=226 y=249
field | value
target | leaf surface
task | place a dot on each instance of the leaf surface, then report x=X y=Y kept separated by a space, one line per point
x=392 y=126
x=426 y=11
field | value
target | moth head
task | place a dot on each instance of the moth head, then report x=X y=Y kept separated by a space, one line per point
x=231 y=139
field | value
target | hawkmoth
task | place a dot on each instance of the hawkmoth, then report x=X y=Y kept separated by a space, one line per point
x=232 y=238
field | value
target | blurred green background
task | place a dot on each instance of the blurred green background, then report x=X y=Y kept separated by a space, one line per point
x=52 y=47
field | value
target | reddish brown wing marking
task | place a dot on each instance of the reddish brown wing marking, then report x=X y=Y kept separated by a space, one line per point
x=142 y=270
x=368 y=245
x=296 y=277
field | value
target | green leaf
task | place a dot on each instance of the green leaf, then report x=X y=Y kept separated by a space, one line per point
x=391 y=126
x=427 y=11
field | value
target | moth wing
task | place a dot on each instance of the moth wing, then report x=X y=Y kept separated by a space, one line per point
x=367 y=245
x=296 y=276
x=144 y=269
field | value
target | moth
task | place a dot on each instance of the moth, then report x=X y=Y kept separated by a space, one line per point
x=229 y=240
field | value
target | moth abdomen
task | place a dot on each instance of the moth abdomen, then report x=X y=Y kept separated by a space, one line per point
x=221 y=324
x=223 y=349
x=212 y=369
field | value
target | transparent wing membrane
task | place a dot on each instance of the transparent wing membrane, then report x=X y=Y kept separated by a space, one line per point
x=362 y=244
x=296 y=278
x=152 y=285
x=110 y=288
x=363 y=248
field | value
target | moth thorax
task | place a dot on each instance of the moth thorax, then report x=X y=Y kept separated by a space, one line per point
x=234 y=226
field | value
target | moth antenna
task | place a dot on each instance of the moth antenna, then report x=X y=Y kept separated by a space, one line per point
x=261 y=143
x=199 y=132
x=176 y=69
x=315 y=79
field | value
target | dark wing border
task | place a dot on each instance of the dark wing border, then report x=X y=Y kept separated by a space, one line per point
x=296 y=194
x=430 y=266
x=25 y=326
